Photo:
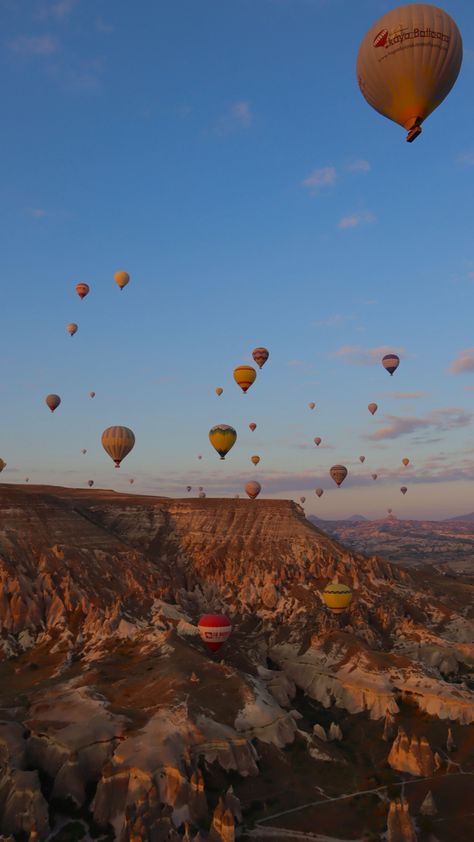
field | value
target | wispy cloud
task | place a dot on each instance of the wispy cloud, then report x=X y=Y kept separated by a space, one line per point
x=37 y=213
x=323 y=177
x=359 y=165
x=439 y=419
x=62 y=8
x=406 y=396
x=239 y=116
x=32 y=46
x=354 y=220
x=334 y=320
x=295 y=362
x=103 y=26
x=355 y=355
x=464 y=362
x=467 y=159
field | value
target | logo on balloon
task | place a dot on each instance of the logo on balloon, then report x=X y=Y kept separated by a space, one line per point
x=380 y=40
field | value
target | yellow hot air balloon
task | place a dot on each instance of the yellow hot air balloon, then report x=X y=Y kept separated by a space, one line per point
x=244 y=376
x=219 y=390
x=253 y=489
x=121 y=279
x=117 y=442
x=222 y=438
x=405 y=461
x=337 y=596
x=372 y=407
x=408 y=62
x=71 y=328
x=338 y=473
x=255 y=459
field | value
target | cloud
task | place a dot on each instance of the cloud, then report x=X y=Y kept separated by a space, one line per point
x=103 y=26
x=37 y=213
x=323 y=177
x=295 y=362
x=355 y=355
x=62 y=8
x=34 y=46
x=354 y=220
x=407 y=396
x=439 y=419
x=239 y=116
x=335 y=320
x=359 y=165
x=463 y=362
x=467 y=159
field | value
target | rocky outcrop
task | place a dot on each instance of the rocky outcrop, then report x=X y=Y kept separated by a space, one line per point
x=411 y=754
x=428 y=805
x=400 y=825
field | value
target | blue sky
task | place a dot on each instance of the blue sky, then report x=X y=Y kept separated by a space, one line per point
x=222 y=154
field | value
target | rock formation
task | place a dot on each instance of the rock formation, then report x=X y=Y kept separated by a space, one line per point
x=428 y=806
x=400 y=825
x=411 y=754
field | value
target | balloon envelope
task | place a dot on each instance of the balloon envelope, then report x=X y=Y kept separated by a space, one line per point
x=118 y=442
x=253 y=489
x=390 y=362
x=372 y=407
x=90 y=483
x=255 y=459
x=338 y=473
x=219 y=390
x=319 y=492
x=244 y=376
x=408 y=62
x=260 y=356
x=337 y=597
x=82 y=290
x=302 y=499
x=317 y=441
x=121 y=279
x=405 y=461
x=311 y=405
x=52 y=401
x=362 y=459
x=374 y=476
x=253 y=426
x=189 y=488
x=214 y=630
x=71 y=328
x=92 y=394
x=404 y=489
x=3 y=465
x=222 y=438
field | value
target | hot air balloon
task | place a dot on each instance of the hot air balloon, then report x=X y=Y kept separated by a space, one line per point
x=121 y=279
x=118 y=442
x=390 y=363
x=390 y=511
x=255 y=459
x=374 y=476
x=260 y=356
x=200 y=488
x=199 y=457
x=302 y=500
x=92 y=394
x=219 y=391
x=317 y=441
x=83 y=450
x=52 y=401
x=214 y=630
x=405 y=461
x=27 y=479
x=338 y=473
x=362 y=459
x=189 y=488
x=319 y=492
x=82 y=290
x=252 y=426
x=131 y=481
x=202 y=494
x=311 y=405
x=253 y=489
x=244 y=376
x=404 y=489
x=71 y=328
x=222 y=438
x=90 y=483
x=3 y=465
x=337 y=596
x=408 y=62
x=372 y=407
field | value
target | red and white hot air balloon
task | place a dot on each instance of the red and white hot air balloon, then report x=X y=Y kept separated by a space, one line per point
x=252 y=426
x=317 y=441
x=214 y=630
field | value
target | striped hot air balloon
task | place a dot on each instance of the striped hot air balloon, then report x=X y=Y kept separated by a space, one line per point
x=222 y=438
x=214 y=630
x=244 y=376
x=337 y=596
x=260 y=356
x=338 y=473
x=118 y=442
x=390 y=363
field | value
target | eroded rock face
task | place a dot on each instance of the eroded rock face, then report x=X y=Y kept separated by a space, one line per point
x=428 y=805
x=400 y=825
x=412 y=754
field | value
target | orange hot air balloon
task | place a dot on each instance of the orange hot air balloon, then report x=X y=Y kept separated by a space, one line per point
x=82 y=290
x=405 y=461
x=338 y=473
x=244 y=376
x=408 y=62
x=390 y=363
x=219 y=391
x=253 y=489
x=90 y=483
x=260 y=356
x=404 y=489
x=52 y=401
x=362 y=459
x=214 y=630
x=252 y=426
x=255 y=459
x=121 y=279
x=118 y=442
x=71 y=328
x=311 y=405
x=372 y=407
x=317 y=441
x=319 y=492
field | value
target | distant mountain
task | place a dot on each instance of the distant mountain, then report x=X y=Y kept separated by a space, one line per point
x=355 y=518
x=469 y=517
